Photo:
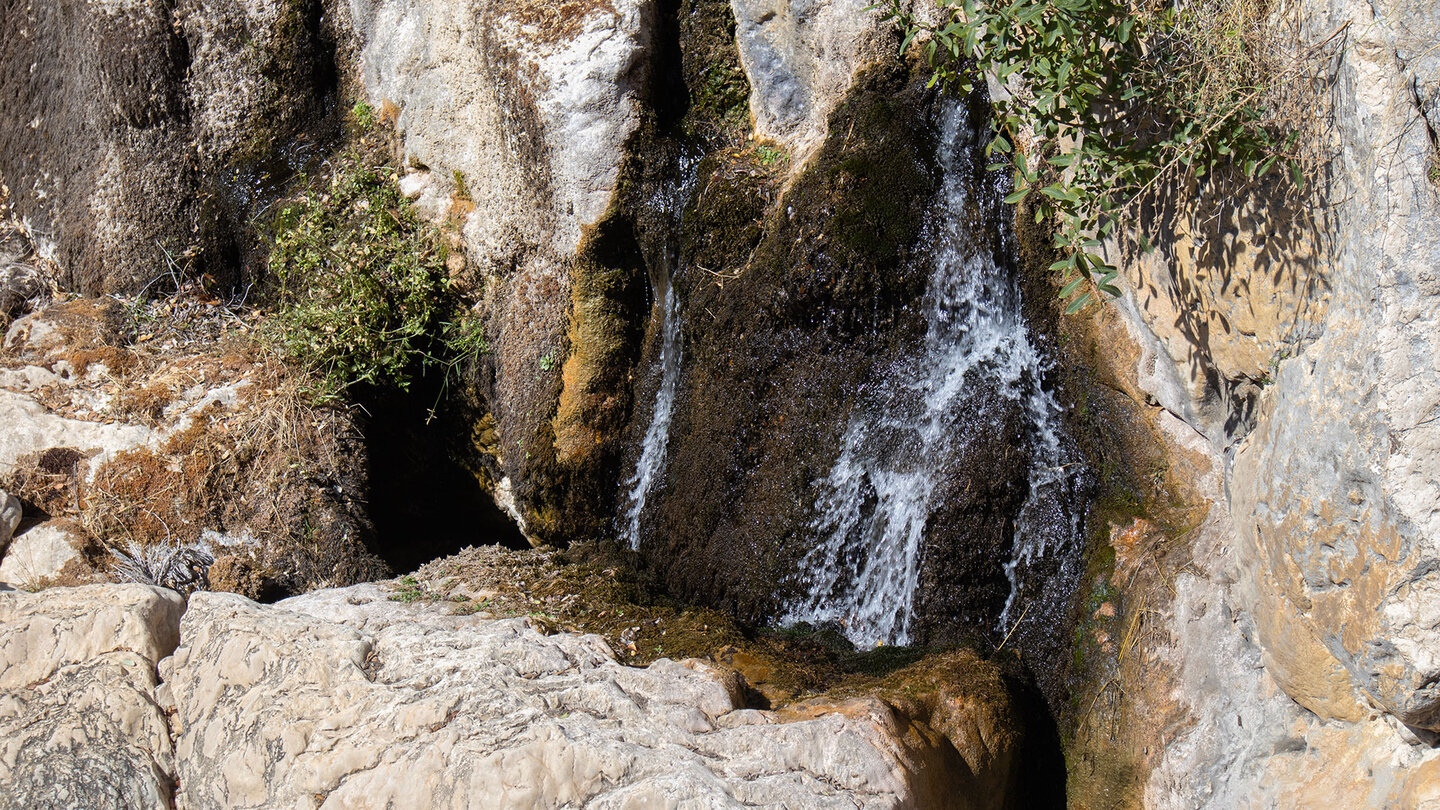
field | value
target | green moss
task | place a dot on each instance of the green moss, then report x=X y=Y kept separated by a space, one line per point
x=853 y=219
x=573 y=460
x=724 y=223
x=461 y=189
x=719 y=90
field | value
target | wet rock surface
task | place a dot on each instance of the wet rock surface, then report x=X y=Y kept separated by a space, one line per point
x=134 y=133
x=1269 y=637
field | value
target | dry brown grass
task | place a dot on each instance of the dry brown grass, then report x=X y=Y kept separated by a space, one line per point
x=47 y=483
x=145 y=404
x=139 y=498
x=552 y=22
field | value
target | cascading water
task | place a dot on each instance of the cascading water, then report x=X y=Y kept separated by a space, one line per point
x=864 y=570
x=657 y=435
x=668 y=205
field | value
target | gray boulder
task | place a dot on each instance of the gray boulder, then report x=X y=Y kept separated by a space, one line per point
x=10 y=514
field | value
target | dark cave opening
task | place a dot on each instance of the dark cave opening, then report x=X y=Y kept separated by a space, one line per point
x=425 y=501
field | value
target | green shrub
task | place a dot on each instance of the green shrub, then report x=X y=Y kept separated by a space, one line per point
x=1121 y=97
x=362 y=294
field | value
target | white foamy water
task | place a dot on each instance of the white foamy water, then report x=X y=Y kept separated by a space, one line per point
x=651 y=465
x=864 y=571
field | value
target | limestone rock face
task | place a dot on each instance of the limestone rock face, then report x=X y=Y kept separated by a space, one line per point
x=1303 y=341
x=79 y=725
x=516 y=113
x=514 y=120
x=1337 y=491
x=60 y=627
x=801 y=57
x=133 y=131
x=1301 y=344
x=345 y=696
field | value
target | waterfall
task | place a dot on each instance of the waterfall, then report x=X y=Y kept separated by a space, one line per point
x=657 y=435
x=864 y=570
x=667 y=206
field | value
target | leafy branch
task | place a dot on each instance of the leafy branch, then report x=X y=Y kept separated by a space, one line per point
x=1108 y=100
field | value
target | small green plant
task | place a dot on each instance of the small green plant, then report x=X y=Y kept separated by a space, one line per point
x=547 y=362
x=363 y=115
x=461 y=190
x=770 y=156
x=410 y=591
x=470 y=607
x=465 y=340
x=362 y=293
x=1118 y=98
x=360 y=280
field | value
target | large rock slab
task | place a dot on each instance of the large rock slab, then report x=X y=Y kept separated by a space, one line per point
x=79 y=723
x=37 y=555
x=348 y=698
x=1300 y=341
x=1337 y=492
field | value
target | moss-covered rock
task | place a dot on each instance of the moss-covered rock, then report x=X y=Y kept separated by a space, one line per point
x=140 y=140
x=788 y=305
x=569 y=490
x=719 y=92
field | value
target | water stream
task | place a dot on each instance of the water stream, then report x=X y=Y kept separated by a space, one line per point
x=667 y=205
x=657 y=436
x=864 y=570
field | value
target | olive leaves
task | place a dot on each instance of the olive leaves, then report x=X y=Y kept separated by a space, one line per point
x=1113 y=100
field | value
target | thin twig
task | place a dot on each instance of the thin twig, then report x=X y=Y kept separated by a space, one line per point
x=1013 y=627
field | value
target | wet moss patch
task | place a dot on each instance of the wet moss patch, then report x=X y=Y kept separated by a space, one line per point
x=789 y=303
x=596 y=588
x=718 y=89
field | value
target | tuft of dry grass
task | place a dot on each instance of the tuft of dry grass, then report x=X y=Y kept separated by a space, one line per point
x=551 y=22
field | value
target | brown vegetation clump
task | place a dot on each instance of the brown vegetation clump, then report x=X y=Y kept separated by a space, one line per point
x=139 y=498
x=552 y=22
x=238 y=573
x=47 y=483
x=117 y=361
x=274 y=467
x=145 y=404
